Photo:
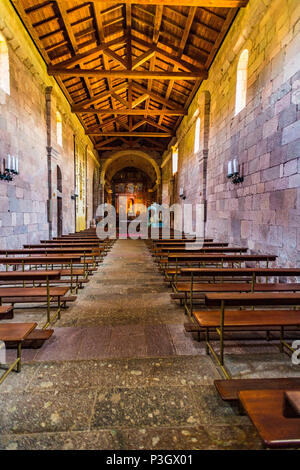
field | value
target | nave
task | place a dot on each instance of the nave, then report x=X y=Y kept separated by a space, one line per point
x=120 y=371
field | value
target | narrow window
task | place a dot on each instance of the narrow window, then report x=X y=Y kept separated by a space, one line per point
x=4 y=66
x=174 y=161
x=241 y=83
x=197 y=136
x=58 y=128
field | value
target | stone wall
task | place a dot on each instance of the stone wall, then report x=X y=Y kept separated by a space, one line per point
x=263 y=212
x=28 y=130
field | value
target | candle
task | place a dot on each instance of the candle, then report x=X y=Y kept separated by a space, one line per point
x=13 y=163
x=229 y=172
x=8 y=162
x=17 y=164
x=235 y=166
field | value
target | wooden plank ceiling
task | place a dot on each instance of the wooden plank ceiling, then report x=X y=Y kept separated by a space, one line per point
x=131 y=69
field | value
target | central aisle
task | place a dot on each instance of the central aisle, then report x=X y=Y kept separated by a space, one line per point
x=120 y=373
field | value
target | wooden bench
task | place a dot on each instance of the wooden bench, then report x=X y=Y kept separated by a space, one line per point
x=171 y=274
x=48 y=261
x=229 y=389
x=222 y=318
x=162 y=254
x=188 y=292
x=34 y=340
x=13 y=293
x=75 y=277
x=221 y=273
x=221 y=258
x=64 y=300
x=15 y=333
x=265 y=409
x=6 y=312
x=291 y=408
x=96 y=254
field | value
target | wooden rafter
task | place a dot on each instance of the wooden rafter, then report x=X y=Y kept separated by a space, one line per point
x=133 y=112
x=129 y=66
x=185 y=3
x=132 y=134
x=130 y=74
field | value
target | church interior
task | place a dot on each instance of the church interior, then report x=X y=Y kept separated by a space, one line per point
x=162 y=338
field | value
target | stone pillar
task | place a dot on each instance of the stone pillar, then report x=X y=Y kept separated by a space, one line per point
x=49 y=166
x=101 y=192
x=202 y=158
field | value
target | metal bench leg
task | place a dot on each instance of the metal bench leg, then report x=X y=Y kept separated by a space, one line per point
x=16 y=363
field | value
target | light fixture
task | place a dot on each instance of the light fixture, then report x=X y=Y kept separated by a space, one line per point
x=233 y=172
x=182 y=194
x=75 y=195
x=9 y=168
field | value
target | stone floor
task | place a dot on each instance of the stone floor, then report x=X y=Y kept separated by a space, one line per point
x=120 y=372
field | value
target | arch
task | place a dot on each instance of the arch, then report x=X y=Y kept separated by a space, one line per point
x=241 y=82
x=4 y=65
x=140 y=159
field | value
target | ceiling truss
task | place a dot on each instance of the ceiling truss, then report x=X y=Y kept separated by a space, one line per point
x=130 y=69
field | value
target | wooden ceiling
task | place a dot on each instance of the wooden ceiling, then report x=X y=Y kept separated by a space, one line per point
x=131 y=69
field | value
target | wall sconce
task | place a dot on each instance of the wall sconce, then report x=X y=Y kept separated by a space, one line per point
x=181 y=194
x=233 y=172
x=75 y=195
x=9 y=168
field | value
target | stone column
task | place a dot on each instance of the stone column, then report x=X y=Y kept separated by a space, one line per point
x=202 y=158
x=49 y=166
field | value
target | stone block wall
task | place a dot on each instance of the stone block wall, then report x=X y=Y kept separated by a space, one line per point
x=28 y=130
x=263 y=212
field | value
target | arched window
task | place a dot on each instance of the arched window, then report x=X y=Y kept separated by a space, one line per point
x=58 y=128
x=197 y=136
x=174 y=160
x=241 y=83
x=59 y=179
x=4 y=66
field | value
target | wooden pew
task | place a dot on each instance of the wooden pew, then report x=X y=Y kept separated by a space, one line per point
x=222 y=319
x=229 y=389
x=265 y=409
x=291 y=407
x=171 y=273
x=44 y=250
x=167 y=256
x=189 y=292
x=48 y=261
x=16 y=333
x=71 y=243
x=182 y=240
x=221 y=273
x=18 y=294
x=6 y=312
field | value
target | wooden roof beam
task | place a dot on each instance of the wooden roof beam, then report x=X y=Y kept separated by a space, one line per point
x=165 y=135
x=99 y=97
x=184 y=3
x=143 y=58
x=85 y=56
x=154 y=96
x=108 y=52
x=173 y=59
x=130 y=74
x=140 y=100
x=132 y=112
x=188 y=25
